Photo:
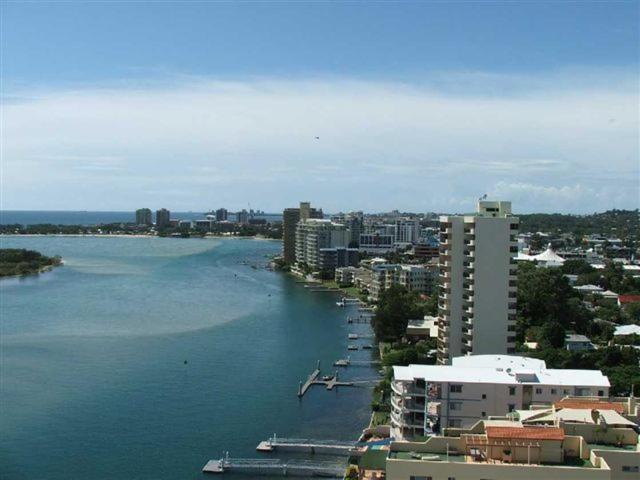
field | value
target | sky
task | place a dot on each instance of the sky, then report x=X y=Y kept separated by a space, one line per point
x=373 y=106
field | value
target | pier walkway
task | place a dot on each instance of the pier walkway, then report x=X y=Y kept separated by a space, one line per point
x=330 y=382
x=347 y=362
x=266 y=466
x=326 y=447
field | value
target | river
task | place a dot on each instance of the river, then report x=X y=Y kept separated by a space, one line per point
x=142 y=358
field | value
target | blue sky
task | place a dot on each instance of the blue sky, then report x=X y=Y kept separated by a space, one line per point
x=418 y=105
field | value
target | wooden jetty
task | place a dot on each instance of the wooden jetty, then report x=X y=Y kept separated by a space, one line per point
x=330 y=383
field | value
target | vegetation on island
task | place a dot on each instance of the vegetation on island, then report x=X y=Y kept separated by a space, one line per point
x=19 y=261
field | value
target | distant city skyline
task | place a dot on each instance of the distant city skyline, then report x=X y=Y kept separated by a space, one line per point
x=416 y=106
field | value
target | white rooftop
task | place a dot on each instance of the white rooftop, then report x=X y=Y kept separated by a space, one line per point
x=627 y=330
x=589 y=288
x=499 y=361
x=500 y=369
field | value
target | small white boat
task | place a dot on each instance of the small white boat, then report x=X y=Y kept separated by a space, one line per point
x=353 y=336
x=367 y=347
x=352 y=347
x=340 y=304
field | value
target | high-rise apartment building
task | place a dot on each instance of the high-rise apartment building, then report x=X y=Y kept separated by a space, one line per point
x=354 y=222
x=315 y=234
x=163 y=218
x=407 y=231
x=478 y=282
x=143 y=216
x=222 y=215
x=243 y=217
x=290 y=219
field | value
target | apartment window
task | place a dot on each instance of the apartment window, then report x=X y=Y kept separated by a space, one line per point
x=455 y=423
x=451 y=478
x=553 y=391
x=601 y=393
x=512 y=407
x=455 y=388
x=512 y=391
x=413 y=477
x=484 y=414
x=511 y=350
x=565 y=392
x=630 y=468
x=455 y=405
x=484 y=396
x=538 y=391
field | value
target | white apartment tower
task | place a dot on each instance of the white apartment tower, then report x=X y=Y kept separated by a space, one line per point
x=478 y=282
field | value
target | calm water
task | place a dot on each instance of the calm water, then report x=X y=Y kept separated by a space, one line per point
x=31 y=217
x=94 y=380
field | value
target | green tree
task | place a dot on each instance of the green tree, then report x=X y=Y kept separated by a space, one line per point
x=551 y=335
x=395 y=307
x=577 y=267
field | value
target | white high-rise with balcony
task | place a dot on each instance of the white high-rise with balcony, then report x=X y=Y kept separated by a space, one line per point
x=477 y=303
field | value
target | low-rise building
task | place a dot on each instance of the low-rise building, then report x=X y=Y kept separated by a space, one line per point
x=426 y=398
x=624 y=330
x=426 y=327
x=624 y=300
x=346 y=276
x=577 y=343
x=415 y=278
x=509 y=450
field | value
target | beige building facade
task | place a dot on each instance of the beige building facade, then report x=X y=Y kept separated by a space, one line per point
x=478 y=282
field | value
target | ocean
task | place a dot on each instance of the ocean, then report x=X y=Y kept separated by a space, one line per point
x=87 y=218
x=143 y=358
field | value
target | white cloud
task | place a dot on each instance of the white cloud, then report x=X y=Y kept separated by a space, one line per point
x=200 y=143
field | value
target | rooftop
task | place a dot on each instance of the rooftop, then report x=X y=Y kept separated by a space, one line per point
x=589 y=404
x=513 y=370
x=573 y=337
x=526 y=433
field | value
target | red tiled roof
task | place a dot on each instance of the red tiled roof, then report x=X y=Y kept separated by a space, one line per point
x=526 y=433
x=629 y=298
x=589 y=405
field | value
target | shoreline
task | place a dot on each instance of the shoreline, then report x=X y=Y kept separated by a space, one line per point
x=124 y=235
